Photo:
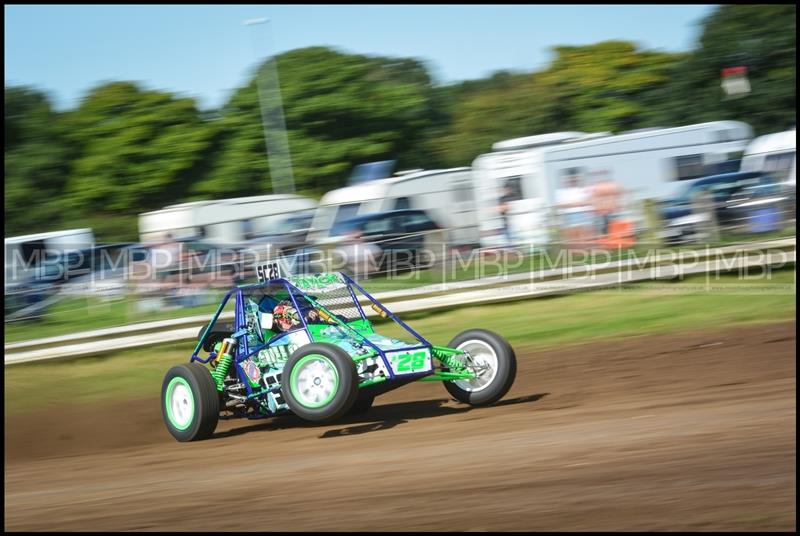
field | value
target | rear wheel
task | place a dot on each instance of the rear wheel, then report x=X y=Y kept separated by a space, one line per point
x=319 y=382
x=189 y=402
x=495 y=364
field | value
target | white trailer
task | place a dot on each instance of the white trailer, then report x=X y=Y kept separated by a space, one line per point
x=647 y=163
x=773 y=153
x=221 y=221
x=27 y=254
x=445 y=194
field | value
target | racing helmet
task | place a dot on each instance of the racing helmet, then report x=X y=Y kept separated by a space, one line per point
x=285 y=315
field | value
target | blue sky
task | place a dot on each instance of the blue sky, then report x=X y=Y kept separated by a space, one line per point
x=206 y=51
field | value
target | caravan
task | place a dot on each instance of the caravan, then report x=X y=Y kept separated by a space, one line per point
x=446 y=195
x=775 y=154
x=647 y=163
x=222 y=221
x=51 y=256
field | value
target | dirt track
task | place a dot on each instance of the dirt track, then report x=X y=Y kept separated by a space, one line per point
x=657 y=433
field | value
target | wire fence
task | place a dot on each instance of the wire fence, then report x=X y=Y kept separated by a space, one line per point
x=180 y=276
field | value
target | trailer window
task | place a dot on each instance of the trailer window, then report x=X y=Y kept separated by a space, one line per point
x=378 y=226
x=689 y=167
x=344 y=212
x=402 y=203
x=512 y=189
x=462 y=191
x=723 y=135
x=415 y=221
x=779 y=165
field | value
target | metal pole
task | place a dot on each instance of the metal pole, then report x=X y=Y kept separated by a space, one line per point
x=272 y=120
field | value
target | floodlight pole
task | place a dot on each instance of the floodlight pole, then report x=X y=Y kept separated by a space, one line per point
x=275 y=138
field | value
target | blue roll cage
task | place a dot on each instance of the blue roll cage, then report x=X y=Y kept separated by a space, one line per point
x=243 y=350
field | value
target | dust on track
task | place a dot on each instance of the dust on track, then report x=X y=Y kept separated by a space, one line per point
x=667 y=432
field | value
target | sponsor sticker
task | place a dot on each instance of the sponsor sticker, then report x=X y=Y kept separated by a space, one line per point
x=252 y=370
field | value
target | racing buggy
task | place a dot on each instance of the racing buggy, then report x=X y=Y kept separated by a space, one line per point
x=304 y=345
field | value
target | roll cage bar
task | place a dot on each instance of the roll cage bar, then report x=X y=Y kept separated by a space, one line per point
x=243 y=350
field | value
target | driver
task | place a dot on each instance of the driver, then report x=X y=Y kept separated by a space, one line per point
x=286 y=317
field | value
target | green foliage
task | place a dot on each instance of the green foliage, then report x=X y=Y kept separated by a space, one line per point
x=603 y=87
x=240 y=166
x=762 y=38
x=137 y=149
x=483 y=118
x=340 y=110
x=606 y=86
x=37 y=159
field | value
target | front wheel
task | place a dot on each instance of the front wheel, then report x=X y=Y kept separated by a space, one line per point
x=319 y=382
x=189 y=402
x=493 y=360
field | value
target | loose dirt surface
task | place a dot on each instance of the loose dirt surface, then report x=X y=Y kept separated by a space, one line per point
x=665 y=432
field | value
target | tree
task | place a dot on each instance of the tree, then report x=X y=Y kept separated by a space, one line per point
x=240 y=166
x=138 y=150
x=459 y=131
x=340 y=110
x=37 y=159
x=759 y=37
x=607 y=86
x=482 y=118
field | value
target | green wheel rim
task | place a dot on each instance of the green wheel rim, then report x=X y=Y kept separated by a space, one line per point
x=314 y=381
x=179 y=401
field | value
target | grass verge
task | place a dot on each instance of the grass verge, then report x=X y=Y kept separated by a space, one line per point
x=696 y=303
x=73 y=315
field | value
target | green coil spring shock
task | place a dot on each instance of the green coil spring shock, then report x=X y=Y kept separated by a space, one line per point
x=224 y=363
x=448 y=359
x=453 y=362
x=221 y=371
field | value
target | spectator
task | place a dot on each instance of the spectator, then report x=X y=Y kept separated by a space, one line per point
x=165 y=260
x=572 y=201
x=504 y=206
x=171 y=246
x=703 y=207
x=605 y=196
